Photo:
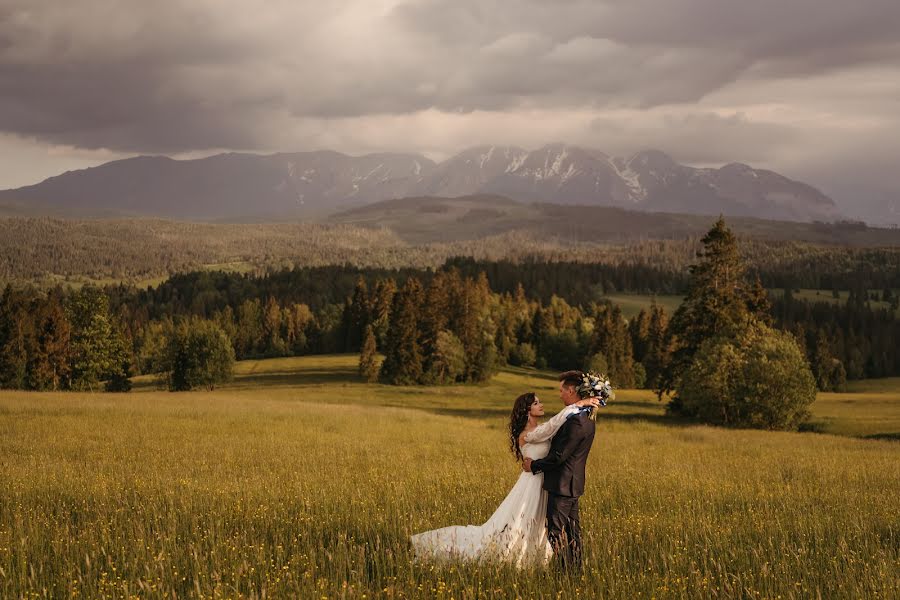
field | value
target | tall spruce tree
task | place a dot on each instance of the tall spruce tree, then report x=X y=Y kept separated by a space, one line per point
x=639 y=329
x=715 y=304
x=657 y=349
x=368 y=360
x=380 y=307
x=49 y=364
x=358 y=317
x=15 y=325
x=273 y=344
x=402 y=350
x=611 y=338
x=435 y=318
x=758 y=304
x=95 y=341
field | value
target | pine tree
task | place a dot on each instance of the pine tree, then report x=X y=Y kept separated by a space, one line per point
x=271 y=329
x=402 y=352
x=523 y=315
x=248 y=329
x=715 y=304
x=368 y=361
x=14 y=331
x=612 y=339
x=758 y=305
x=94 y=341
x=657 y=355
x=435 y=318
x=470 y=321
x=380 y=315
x=828 y=370
x=639 y=329
x=120 y=378
x=359 y=316
x=49 y=364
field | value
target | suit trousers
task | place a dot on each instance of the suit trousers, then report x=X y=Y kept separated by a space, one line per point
x=564 y=530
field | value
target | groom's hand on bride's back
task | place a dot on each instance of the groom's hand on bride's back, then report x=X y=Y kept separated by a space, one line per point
x=526 y=465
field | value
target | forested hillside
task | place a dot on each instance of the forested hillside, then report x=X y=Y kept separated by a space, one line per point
x=49 y=251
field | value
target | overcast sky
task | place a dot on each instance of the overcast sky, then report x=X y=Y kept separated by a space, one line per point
x=810 y=88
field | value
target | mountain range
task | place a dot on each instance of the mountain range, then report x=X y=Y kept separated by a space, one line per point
x=237 y=187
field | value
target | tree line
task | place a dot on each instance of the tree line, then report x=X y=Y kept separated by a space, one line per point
x=71 y=341
x=58 y=342
x=456 y=323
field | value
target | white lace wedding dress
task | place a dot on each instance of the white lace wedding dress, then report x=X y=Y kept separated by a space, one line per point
x=517 y=531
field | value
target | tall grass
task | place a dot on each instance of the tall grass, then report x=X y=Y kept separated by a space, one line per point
x=310 y=487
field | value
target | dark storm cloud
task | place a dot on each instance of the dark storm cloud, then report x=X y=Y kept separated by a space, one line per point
x=682 y=37
x=161 y=76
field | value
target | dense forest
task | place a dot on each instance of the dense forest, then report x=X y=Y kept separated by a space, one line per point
x=461 y=320
x=46 y=251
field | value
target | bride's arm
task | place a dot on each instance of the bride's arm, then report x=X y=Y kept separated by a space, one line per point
x=545 y=431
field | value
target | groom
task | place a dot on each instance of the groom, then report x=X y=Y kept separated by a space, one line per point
x=563 y=470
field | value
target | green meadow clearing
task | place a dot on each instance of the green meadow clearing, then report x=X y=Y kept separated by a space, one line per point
x=300 y=481
x=632 y=304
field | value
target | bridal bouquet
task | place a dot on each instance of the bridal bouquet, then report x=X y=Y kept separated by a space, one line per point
x=595 y=386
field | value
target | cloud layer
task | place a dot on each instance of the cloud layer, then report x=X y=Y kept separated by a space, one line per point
x=800 y=86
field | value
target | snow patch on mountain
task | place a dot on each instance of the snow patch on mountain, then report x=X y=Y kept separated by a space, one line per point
x=632 y=181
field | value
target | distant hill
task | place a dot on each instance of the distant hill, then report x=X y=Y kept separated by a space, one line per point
x=429 y=219
x=308 y=185
x=426 y=232
x=225 y=186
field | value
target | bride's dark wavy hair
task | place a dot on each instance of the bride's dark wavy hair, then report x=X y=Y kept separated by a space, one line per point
x=518 y=418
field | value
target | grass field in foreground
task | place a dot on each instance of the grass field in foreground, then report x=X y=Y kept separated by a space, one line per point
x=299 y=481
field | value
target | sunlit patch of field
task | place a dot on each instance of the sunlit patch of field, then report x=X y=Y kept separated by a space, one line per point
x=867 y=416
x=813 y=295
x=298 y=480
x=632 y=304
x=887 y=385
x=235 y=266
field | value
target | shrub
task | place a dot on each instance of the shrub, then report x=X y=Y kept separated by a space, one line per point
x=449 y=358
x=200 y=355
x=522 y=355
x=640 y=376
x=760 y=380
x=598 y=364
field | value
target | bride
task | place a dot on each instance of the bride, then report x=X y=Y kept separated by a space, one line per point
x=517 y=531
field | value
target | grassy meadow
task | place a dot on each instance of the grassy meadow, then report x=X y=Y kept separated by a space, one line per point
x=632 y=304
x=300 y=481
x=828 y=296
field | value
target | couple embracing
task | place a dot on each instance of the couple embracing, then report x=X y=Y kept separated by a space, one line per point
x=538 y=520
